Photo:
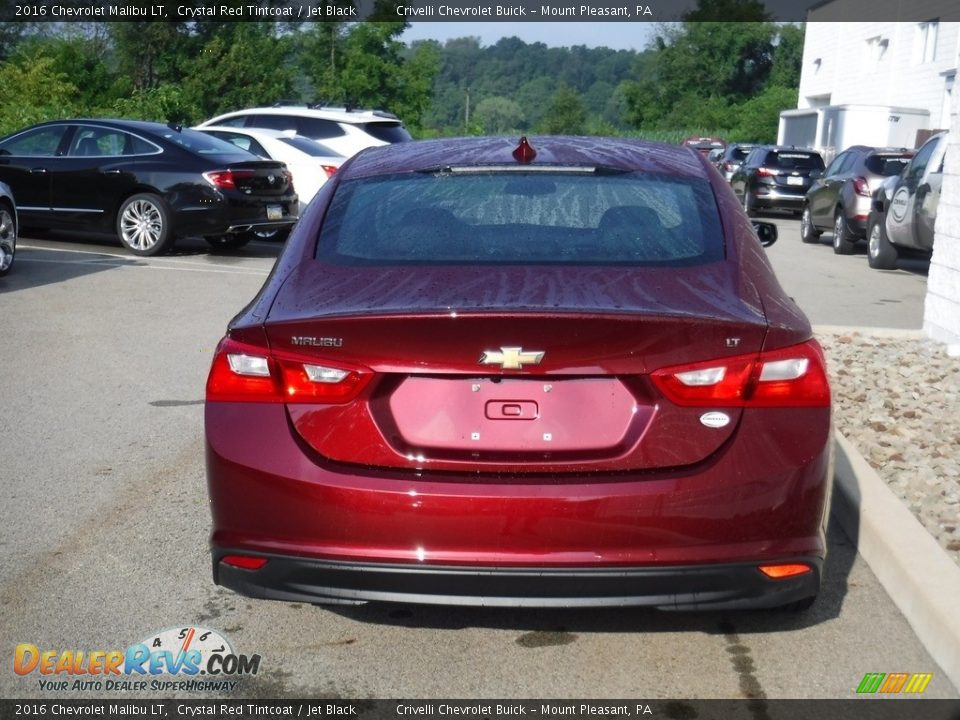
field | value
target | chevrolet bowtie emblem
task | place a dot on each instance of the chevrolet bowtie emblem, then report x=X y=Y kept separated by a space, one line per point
x=511 y=358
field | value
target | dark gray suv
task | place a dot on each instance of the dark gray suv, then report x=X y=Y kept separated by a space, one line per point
x=839 y=202
x=775 y=177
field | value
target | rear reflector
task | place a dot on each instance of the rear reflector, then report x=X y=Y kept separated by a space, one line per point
x=246 y=373
x=246 y=562
x=789 y=377
x=778 y=572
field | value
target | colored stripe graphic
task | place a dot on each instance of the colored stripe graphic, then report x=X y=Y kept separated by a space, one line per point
x=871 y=682
x=894 y=683
x=918 y=682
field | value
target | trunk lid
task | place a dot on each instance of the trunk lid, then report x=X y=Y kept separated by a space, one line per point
x=459 y=385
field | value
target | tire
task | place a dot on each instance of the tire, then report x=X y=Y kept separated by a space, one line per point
x=233 y=241
x=748 y=204
x=881 y=254
x=143 y=225
x=8 y=240
x=808 y=231
x=843 y=242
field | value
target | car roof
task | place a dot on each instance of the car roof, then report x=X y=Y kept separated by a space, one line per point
x=553 y=150
x=343 y=115
x=119 y=123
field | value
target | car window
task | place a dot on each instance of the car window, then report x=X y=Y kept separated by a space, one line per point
x=318 y=128
x=738 y=153
x=40 y=142
x=522 y=218
x=202 y=143
x=755 y=157
x=272 y=122
x=848 y=162
x=244 y=142
x=238 y=121
x=310 y=147
x=391 y=132
x=107 y=142
x=886 y=165
x=793 y=160
x=921 y=159
x=834 y=167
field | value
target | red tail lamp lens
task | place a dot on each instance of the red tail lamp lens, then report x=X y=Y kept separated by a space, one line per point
x=524 y=152
x=242 y=372
x=794 y=376
x=779 y=572
x=245 y=562
x=329 y=170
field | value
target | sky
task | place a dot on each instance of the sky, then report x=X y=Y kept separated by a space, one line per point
x=619 y=36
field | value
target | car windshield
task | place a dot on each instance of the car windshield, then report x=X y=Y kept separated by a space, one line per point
x=203 y=144
x=518 y=217
x=886 y=165
x=790 y=160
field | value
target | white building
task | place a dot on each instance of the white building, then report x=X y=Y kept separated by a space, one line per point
x=897 y=65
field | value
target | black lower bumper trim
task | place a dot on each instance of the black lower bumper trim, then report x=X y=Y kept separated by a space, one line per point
x=725 y=586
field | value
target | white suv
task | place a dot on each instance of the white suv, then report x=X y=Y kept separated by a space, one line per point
x=346 y=131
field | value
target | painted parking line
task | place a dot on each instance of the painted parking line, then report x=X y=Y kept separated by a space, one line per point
x=108 y=259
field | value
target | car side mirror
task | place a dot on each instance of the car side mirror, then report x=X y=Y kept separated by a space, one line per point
x=816 y=174
x=766 y=232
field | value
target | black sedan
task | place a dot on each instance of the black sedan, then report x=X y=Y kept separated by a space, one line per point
x=149 y=183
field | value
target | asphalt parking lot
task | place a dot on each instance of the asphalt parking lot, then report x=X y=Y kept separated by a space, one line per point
x=105 y=521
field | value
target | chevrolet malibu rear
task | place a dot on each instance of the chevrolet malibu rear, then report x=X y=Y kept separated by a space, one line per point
x=551 y=373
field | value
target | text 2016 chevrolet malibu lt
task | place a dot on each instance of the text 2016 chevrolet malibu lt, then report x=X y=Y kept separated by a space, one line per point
x=553 y=373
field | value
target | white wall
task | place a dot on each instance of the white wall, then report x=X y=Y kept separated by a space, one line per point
x=877 y=63
x=941 y=313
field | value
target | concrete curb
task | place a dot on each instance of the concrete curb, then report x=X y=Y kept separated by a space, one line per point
x=916 y=572
x=866 y=331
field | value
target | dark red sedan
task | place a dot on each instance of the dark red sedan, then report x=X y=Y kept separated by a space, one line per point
x=555 y=373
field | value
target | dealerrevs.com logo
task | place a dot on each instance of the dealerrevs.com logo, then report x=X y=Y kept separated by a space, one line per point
x=184 y=658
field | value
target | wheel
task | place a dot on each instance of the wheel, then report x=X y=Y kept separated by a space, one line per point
x=843 y=242
x=808 y=231
x=143 y=225
x=8 y=240
x=748 y=204
x=233 y=241
x=881 y=254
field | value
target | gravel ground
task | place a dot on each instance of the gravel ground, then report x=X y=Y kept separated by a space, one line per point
x=897 y=399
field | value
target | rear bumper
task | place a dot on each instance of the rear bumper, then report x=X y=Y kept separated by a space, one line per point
x=726 y=586
x=690 y=537
x=767 y=198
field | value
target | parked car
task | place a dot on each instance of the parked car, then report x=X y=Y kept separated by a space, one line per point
x=403 y=413
x=147 y=182
x=345 y=130
x=732 y=158
x=904 y=208
x=775 y=177
x=704 y=145
x=311 y=163
x=8 y=229
x=840 y=200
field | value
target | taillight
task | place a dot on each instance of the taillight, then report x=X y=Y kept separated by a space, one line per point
x=790 y=377
x=728 y=166
x=247 y=373
x=766 y=172
x=245 y=562
x=860 y=187
x=786 y=570
x=329 y=170
x=226 y=179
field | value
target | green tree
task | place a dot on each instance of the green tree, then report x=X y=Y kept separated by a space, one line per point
x=497 y=114
x=32 y=91
x=565 y=114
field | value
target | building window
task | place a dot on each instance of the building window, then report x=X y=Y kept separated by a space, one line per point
x=876 y=50
x=925 y=43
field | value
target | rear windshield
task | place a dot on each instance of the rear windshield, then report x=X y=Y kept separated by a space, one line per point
x=739 y=153
x=391 y=132
x=793 y=160
x=310 y=147
x=522 y=218
x=203 y=144
x=886 y=165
